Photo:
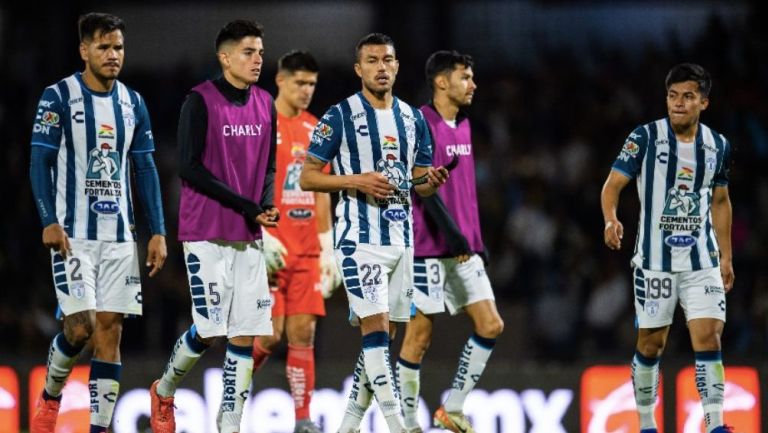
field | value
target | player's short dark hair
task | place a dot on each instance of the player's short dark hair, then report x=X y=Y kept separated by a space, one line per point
x=373 y=39
x=690 y=72
x=444 y=61
x=237 y=30
x=296 y=60
x=90 y=23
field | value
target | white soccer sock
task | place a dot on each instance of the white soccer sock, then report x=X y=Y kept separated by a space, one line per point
x=238 y=370
x=645 y=380
x=104 y=387
x=185 y=355
x=472 y=362
x=379 y=371
x=408 y=380
x=62 y=356
x=359 y=398
x=710 y=382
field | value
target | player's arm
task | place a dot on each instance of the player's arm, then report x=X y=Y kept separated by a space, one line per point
x=313 y=178
x=329 y=272
x=46 y=139
x=425 y=178
x=609 y=201
x=323 y=147
x=268 y=194
x=193 y=125
x=148 y=185
x=626 y=166
x=722 y=216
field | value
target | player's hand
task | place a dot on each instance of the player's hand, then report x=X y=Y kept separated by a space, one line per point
x=463 y=258
x=726 y=270
x=156 y=254
x=330 y=277
x=437 y=176
x=274 y=253
x=613 y=233
x=267 y=218
x=56 y=238
x=374 y=184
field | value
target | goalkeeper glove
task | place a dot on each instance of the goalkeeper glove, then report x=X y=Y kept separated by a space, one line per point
x=330 y=277
x=274 y=253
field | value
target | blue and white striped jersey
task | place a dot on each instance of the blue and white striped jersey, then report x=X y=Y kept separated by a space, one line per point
x=357 y=138
x=93 y=133
x=675 y=231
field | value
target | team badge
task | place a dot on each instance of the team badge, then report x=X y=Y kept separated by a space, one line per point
x=77 y=290
x=215 y=314
x=652 y=308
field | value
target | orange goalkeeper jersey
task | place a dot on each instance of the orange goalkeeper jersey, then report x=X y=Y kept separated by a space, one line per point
x=297 y=229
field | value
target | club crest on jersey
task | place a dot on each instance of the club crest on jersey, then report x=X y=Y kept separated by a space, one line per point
x=711 y=163
x=390 y=143
x=103 y=163
x=106 y=131
x=292 y=174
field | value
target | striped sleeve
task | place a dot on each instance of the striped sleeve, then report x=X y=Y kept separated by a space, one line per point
x=326 y=138
x=630 y=159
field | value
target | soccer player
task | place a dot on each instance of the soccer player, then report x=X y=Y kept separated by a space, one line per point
x=683 y=246
x=448 y=269
x=302 y=243
x=89 y=129
x=227 y=141
x=379 y=147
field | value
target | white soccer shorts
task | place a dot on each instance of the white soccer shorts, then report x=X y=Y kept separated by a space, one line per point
x=701 y=295
x=228 y=284
x=378 y=279
x=441 y=282
x=98 y=275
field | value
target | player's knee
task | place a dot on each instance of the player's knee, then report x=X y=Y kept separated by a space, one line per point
x=651 y=348
x=490 y=328
x=78 y=328
x=270 y=342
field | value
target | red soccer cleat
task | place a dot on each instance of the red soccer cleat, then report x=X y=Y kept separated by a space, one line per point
x=46 y=413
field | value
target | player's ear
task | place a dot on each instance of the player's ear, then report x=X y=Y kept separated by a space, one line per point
x=83 y=51
x=279 y=78
x=441 y=81
x=358 y=70
x=704 y=103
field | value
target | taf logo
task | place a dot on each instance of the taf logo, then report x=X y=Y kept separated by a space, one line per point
x=105 y=207
x=300 y=214
x=680 y=241
x=395 y=215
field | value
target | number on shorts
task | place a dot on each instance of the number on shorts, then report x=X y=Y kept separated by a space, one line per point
x=215 y=296
x=435 y=268
x=75 y=275
x=368 y=278
x=659 y=288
